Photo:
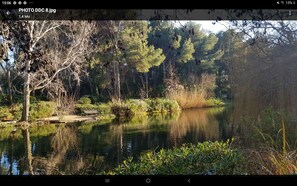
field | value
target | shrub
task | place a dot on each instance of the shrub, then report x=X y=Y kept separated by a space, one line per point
x=129 y=108
x=5 y=113
x=213 y=102
x=104 y=109
x=80 y=108
x=162 y=105
x=155 y=105
x=171 y=105
x=16 y=110
x=137 y=105
x=42 y=109
x=189 y=159
x=84 y=100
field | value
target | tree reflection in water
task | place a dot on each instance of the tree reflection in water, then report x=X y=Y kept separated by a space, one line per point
x=196 y=124
x=88 y=148
x=65 y=154
x=28 y=153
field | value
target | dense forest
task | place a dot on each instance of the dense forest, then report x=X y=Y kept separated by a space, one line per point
x=113 y=60
x=133 y=67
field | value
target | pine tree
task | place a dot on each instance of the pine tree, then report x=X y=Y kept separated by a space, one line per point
x=187 y=51
x=137 y=52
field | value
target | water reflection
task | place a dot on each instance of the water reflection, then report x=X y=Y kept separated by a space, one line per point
x=65 y=156
x=195 y=125
x=92 y=147
x=28 y=153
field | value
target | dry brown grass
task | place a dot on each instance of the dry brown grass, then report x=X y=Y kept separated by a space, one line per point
x=196 y=92
x=188 y=98
x=271 y=162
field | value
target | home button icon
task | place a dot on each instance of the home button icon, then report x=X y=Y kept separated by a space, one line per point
x=148 y=180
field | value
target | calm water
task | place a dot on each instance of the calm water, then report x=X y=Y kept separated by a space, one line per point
x=92 y=147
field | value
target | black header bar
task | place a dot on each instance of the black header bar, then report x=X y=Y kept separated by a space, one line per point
x=149 y=4
x=45 y=13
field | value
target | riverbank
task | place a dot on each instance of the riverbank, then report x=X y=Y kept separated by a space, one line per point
x=55 y=120
x=69 y=119
x=42 y=112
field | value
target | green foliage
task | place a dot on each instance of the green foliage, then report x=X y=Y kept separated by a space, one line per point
x=104 y=109
x=121 y=110
x=84 y=100
x=129 y=108
x=137 y=105
x=137 y=52
x=155 y=105
x=16 y=110
x=3 y=99
x=272 y=138
x=171 y=105
x=5 y=113
x=268 y=129
x=209 y=42
x=42 y=109
x=207 y=158
x=158 y=105
x=186 y=52
x=80 y=108
x=18 y=99
x=107 y=117
x=214 y=102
